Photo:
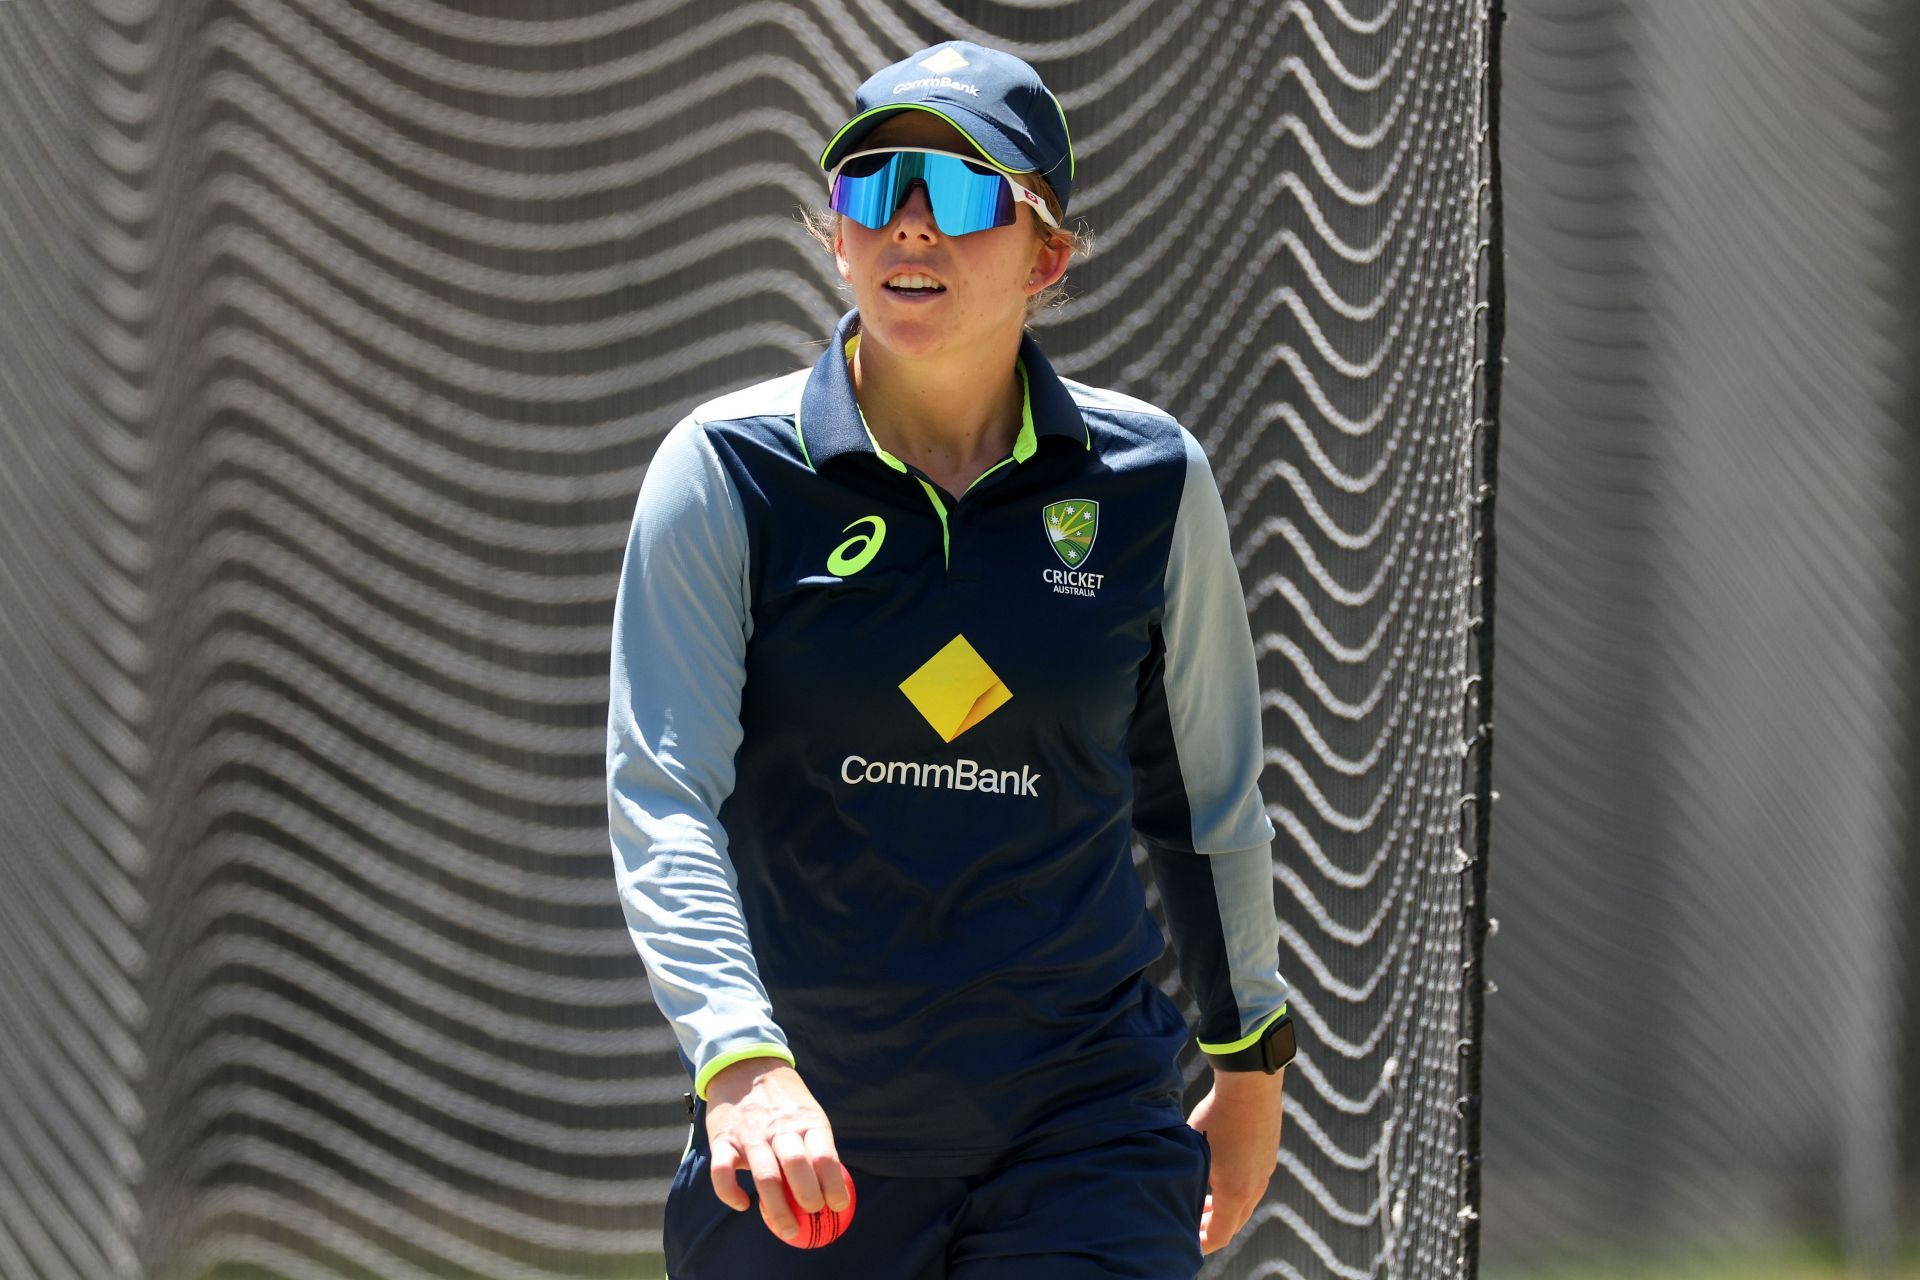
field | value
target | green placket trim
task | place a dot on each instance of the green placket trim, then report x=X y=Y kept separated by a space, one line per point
x=933 y=495
x=1024 y=446
x=984 y=474
x=940 y=508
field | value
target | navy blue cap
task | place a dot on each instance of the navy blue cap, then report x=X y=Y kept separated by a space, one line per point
x=995 y=99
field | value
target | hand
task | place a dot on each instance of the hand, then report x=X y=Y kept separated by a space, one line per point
x=1241 y=1117
x=761 y=1117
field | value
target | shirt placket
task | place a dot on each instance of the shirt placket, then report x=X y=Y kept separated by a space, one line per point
x=947 y=515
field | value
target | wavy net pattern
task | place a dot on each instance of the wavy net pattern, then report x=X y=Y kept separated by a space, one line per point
x=339 y=334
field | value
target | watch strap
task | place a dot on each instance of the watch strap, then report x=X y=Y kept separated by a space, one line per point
x=1273 y=1049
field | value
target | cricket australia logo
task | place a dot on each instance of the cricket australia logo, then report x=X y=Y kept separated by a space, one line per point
x=1071 y=527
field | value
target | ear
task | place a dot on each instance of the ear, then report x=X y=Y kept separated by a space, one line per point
x=840 y=252
x=1050 y=258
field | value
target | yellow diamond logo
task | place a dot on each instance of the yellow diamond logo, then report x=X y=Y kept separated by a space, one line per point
x=955 y=689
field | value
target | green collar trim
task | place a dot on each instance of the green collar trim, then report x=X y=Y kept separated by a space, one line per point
x=852 y=345
x=1027 y=441
x=1024 y=444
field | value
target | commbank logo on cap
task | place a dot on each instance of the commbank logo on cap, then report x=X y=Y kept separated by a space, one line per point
x=946 y=60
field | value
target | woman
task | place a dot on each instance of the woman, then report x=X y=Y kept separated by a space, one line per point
x=907 y=646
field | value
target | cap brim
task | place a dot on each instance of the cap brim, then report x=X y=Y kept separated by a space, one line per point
x=987 y=138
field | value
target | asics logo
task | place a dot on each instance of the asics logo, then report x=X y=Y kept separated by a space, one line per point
x=857 y=552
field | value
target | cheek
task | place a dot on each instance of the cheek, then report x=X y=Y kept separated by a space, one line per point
x=856 y=252
x=1011 y=264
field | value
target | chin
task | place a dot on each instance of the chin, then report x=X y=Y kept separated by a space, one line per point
x=906 y=335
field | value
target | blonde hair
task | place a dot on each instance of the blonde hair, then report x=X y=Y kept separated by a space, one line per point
x=821 y=224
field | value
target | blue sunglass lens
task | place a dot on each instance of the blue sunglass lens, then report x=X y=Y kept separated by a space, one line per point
x=966 y=196
x=869 y=197
x=868 y=165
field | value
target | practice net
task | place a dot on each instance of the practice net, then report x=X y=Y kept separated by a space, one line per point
x=339 y=334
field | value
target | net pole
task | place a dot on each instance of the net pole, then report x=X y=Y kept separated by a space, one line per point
x=1477 y=804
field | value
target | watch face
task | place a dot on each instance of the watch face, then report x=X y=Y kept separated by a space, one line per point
x=1279 y=1047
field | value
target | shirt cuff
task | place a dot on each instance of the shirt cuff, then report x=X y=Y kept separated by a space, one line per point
x=727 y=1059
x=1248 y=1040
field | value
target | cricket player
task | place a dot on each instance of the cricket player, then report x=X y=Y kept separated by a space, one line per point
x=908 y=645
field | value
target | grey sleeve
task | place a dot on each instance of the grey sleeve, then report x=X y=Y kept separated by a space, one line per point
x=1198 y=756
x=680 y=629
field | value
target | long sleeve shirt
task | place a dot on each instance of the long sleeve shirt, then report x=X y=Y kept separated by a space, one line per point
x=876 y=754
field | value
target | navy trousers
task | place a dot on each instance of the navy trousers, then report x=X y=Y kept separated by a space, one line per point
x=1125 y=1210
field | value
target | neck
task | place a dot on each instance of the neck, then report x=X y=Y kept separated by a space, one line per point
x=942 y=415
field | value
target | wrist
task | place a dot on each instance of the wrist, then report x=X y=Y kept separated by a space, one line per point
x=1265 y=1051
x=760 y=1057
x=732 y=1083
x=1247 y=1082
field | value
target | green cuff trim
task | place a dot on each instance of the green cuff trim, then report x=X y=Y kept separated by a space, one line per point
x=725 y=1060
x=1247 y=1040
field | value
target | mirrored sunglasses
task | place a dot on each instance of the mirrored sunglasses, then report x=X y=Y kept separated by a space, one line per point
x=966 y=195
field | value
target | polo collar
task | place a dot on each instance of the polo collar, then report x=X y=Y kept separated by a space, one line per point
x=829 y=422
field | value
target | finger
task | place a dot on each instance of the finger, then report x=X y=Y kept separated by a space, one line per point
x=1229 y=1215
x=828 y=1169
x=772 y=1189
x=725 y=1170
x=791 y=1150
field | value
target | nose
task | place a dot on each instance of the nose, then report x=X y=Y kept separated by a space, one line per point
x=914 y=217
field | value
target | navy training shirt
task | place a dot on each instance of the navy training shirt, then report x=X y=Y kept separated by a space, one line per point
x=876 y=753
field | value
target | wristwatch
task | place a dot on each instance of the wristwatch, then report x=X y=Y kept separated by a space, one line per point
x=1272 y=1051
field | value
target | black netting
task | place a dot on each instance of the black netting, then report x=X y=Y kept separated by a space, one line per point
x=339 y=333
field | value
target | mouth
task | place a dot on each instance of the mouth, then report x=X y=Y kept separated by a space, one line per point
x=914 y=284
